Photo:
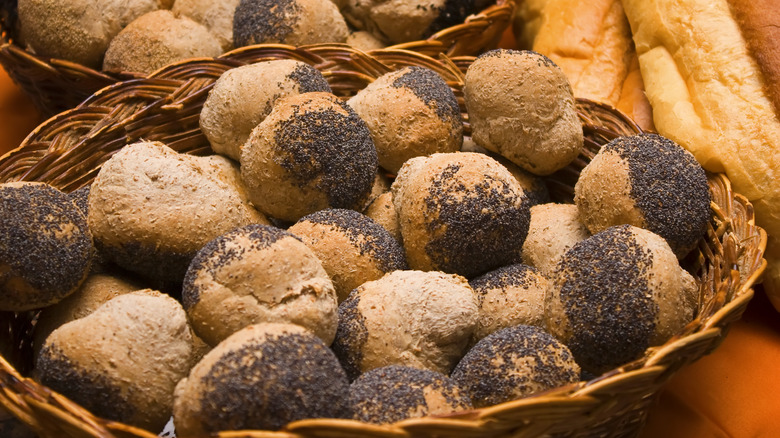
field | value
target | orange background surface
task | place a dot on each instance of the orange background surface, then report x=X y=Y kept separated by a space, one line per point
x=734 y=392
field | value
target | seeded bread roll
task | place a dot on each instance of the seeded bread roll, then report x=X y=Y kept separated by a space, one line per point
x=312 y=148
x=615 y=294
x=77 y=30
x=123 y=361
x=217 y=17
x=412 y=318
x=244 y=96
x=151 y=209
x=650 y=182
x=554 y=229
x=410 y=112
x=255 y=274
x=157 y=39
x=398 y=21
x=460 y=212
x=45 y=246
x=509 y=296
x=262 y=377
x=521 y=106
x=382 y=211
x=353 y=248
x=534 y=186
x=514 y=363
x=394 y=393
x=293 y=22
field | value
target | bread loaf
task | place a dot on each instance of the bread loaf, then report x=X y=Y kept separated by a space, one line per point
x=711 y=72
x=591 y=42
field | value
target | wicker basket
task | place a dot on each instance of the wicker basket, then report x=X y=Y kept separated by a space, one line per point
x=68 y=149
x=57 y=85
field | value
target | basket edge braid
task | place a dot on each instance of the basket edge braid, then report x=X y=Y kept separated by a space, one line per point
x=613 y=404
x=56 y=85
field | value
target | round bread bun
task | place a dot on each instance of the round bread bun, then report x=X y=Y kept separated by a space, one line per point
x=152 y=209
x=121 y=362
x=45 y=246
x=509 y=296
x=156 y=39
x=255 y=274
x=77 y=30
x=521 y=106
x=554 y=229
x=217 y=17
x=96 y=290
x=410 y=112
x=394 y=393
x=615 y=294
x=312 y=148
x=243 y=96
x=411 y=318
x=382 y=211
x=513 y=363
x=650 y=182
x=353 y=248
x=293 y=22
x=460 y=212
x=262 y=377
x=365 y=41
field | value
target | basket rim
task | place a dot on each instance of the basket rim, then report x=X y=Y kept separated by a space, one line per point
x=735 y=216
x=56 y=84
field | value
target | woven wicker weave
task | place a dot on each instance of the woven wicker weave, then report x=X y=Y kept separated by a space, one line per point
x=57 y=85
x=68 y=149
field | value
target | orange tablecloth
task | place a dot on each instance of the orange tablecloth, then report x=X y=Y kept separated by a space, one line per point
x=734 y=392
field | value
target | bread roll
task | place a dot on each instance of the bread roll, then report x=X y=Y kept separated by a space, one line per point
x=711 y=95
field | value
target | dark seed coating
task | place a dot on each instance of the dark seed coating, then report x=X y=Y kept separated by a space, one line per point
x=45 y=246
x=517 y=275
x=265 y=385
x=261 y=21
x=394 y=393
x=607 y=299
x=669 y=187
x=89 y=388
x=372 y=239
x=454 y=12
x=331 y=148
x=476 y=230
x=309 y=79
x=513 y=363
x=80 y=197
x=219 y=252
x=431 y=88
x=351 y=335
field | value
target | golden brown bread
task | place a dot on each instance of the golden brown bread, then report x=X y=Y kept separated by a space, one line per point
x=759 y=21
x=591 y=42
x=713 y=88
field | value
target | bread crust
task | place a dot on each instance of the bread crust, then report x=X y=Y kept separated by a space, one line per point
x=591 y=42
x=710 y=94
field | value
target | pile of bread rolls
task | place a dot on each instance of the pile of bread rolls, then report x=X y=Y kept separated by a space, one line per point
x=141 y=36
x=204 y=281
x=707 y=72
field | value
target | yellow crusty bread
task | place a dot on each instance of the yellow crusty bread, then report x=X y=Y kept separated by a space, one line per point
x=710 y=95
x=591 y=42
